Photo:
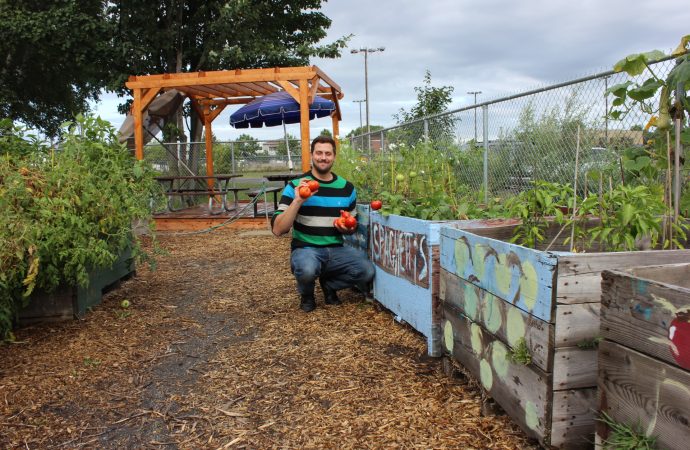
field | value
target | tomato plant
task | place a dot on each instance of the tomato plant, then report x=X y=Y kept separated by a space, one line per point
x=65 y=211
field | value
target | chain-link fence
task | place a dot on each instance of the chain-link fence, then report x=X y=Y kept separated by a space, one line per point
x=250 y=158
x=536 y=135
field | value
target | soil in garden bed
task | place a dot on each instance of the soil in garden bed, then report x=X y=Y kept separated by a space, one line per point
x=214 y=353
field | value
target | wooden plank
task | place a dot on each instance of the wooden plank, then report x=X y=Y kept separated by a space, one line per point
x=573 y=418
x=582 y=288
x=637 y=389
x=641 y=314
x=593 y=263
x=522 y=276
x=574 y=368
x=509 y=323
x=522 y=391
x=672 y=274
x=577 y=324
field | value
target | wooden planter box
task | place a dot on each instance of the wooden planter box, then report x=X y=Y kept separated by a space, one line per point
x=68 y=302
x=360 y=240
x=644 y=359
x=499 y=299
x=406 y=252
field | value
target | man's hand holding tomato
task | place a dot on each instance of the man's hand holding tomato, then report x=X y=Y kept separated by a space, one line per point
x=305 y=189
x=346 y=224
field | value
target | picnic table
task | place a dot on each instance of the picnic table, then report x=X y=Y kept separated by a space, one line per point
x=284 y=177
x=213 y=186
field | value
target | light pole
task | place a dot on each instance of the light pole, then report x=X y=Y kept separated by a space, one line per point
x=475 y=113
x=360 y=112
x=366 y=51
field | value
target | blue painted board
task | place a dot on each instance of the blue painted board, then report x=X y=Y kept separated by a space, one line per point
x=522 y=276
x=360 y=239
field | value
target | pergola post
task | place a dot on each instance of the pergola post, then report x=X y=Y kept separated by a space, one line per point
x=304 y=124
x=138 y=126
x=209 y=144
x=336 y=130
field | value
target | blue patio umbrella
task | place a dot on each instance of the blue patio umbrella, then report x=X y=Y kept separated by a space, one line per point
x=278 y=108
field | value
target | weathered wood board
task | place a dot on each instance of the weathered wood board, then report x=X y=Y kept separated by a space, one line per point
x=508 y=322
x=572 y=418
x=360 y=239
x=646 y=315
x=522 y=276
x=636 y=389
x=522 y=391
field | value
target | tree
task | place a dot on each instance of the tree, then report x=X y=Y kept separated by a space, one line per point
x=245 y=145
x=363 y=130
x=294 y=146
x=326 y=132
x=54 y=55
x=195 y=35
x=430 y=100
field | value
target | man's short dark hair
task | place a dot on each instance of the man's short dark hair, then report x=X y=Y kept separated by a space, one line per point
x=323 y=140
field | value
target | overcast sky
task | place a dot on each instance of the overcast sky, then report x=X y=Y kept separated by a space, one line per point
x=499 y=47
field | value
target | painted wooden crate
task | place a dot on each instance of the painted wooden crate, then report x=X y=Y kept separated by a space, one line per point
x=405 y=252
x=68 y=302
x=360 y=239
x=644 y=359
x=501 y=302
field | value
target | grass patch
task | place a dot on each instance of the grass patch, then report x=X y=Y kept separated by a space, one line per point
x=625 y=437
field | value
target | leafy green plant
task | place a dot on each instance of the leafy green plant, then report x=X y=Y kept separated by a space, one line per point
x=625 y=437
x=627 y=216
x=520 y=353
x=588 y=344
x=66 y=211
x=419 y=181
x=535 y=208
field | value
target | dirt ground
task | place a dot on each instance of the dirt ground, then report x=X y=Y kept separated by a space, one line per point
x=214 y=353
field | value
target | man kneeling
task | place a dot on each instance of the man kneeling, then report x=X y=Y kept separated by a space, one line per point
x=317 y=235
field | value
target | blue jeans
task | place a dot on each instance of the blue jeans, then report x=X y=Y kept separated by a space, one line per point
x=338 y=268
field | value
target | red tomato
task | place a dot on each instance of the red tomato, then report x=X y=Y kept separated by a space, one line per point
x=350 y=222
x=313 y=185
x=376 y=204
x=304 y=191
x=679 y=335
x=339 y=222
x=344 y=214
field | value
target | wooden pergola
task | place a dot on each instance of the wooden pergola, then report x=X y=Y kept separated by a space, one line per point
x=211 y=92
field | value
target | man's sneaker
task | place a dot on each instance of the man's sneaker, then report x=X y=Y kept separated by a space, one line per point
x=307 y=303
x=331 y=298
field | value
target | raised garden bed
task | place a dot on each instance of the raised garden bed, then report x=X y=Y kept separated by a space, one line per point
x=526 y=323
x=68 y=302
x=644 y=359
x=406 y=252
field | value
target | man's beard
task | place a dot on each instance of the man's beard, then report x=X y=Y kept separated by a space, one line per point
x=322 y=171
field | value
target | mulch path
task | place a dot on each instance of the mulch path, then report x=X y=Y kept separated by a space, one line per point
x=214 y=353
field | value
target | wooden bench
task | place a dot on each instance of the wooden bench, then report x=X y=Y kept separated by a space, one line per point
x=197 y=192
x=269 y=189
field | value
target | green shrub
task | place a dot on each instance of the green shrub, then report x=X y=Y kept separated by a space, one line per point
x=65 y=211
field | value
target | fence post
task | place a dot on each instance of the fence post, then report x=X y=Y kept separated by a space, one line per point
x=232 y=157
x=426 y=130
x=485 y=125
x=381 y=147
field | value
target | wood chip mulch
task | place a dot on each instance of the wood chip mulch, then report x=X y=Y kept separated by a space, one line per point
x=214 y=353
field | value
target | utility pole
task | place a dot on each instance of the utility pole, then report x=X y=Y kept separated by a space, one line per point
x=360 y=112
x=475 y=93
x=366 y=51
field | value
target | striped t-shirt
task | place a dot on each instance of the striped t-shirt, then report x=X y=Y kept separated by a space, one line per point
x=313 y=226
